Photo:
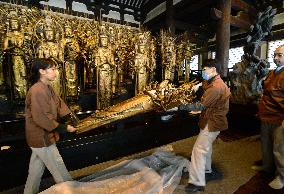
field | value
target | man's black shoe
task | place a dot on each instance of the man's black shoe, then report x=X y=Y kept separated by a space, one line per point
x=191 y=188
x=258 y=166
x=258 y=162
x=214 y=175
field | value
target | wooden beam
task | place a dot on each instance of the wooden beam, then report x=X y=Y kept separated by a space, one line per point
x=216 y=14
x=188 y=27
x=156 y=24
x=150 y=5
x=121 y=5
x=69 y=5
x=137 y=3
x=129 y=3
x=240 y=21
x=140 y=4
x=241 y=5
x=121 y=9
x=187 y=6
x=170 y=17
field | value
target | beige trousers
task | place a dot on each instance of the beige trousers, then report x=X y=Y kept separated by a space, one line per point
x=201 y=157
x=45 y=157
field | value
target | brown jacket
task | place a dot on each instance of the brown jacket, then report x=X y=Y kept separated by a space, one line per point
x=216 y=101
x=271 y=105
x=42 y=109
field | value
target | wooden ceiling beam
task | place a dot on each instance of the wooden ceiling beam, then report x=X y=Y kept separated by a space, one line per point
x=140 y=4
x=240 y=21
x=156 y=27
x=147 y=7
x=133 y=3
x=123 y=5
x=152 y=4
x=187 y=27
x=137 y=3
x=156 y=24
x=241 y=5
x=186 y=6
x=130 y=2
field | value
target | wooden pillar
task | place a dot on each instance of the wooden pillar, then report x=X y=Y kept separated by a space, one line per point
x=33 y=3
x=210 y=55
x=199 y=62
x=121 y=14
x=204 y=55
x=263 y=50
x=69 y=5
x=187 y=70
x=170 y=17
x=223 y=37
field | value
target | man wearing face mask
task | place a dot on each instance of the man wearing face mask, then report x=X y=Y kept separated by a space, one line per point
x=271 y=114
x=214 y=106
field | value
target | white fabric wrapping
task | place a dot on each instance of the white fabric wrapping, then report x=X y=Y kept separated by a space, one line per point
x=158 y=173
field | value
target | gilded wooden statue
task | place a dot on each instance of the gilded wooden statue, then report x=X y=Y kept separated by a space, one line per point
x=125 y=53
x=152 y=57
x=2 y=36
x=104 y=61
x=141 y=64
x=70 y=66
x=14 y=67
x=168 y=52
x=113 y=46
x=89 y=38
x=49 y=47
x=184 y=53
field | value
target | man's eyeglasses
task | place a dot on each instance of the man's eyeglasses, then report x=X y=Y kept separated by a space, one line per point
x=278 y=54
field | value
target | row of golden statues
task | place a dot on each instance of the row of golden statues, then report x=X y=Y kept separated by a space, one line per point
x=89 y=53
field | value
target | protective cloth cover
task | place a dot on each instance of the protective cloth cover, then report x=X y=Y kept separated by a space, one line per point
x=157 y=173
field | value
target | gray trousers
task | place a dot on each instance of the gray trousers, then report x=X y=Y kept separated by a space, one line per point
x=45 y=157
x=272 y=144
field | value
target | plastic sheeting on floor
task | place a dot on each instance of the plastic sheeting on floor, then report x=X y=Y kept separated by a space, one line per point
x=157 y=173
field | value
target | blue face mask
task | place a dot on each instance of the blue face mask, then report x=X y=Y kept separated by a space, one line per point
x=205 y=76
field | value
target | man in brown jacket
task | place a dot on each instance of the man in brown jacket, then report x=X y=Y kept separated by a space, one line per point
x=271 y=113
x=214 y=106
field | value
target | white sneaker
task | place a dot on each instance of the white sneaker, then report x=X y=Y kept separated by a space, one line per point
x=277 y=183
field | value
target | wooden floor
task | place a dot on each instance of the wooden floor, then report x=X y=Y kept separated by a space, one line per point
x=258 y=184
